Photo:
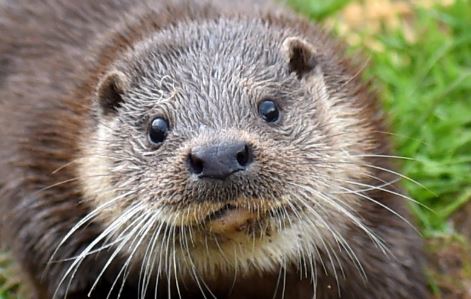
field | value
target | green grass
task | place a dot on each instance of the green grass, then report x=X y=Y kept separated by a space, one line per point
x=8 y=278
x=425 y=84
x=427 y=90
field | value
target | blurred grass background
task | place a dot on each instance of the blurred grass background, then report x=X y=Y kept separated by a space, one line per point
x=419 y=55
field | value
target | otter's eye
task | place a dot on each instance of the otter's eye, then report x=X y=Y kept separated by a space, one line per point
x=268 y=110
x=158 y=130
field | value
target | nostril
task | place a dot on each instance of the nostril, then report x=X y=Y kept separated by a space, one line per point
x=196 y=164
x=219 y=160
x=243 y=156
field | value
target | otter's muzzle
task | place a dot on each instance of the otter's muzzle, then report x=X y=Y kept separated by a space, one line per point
x=219 y=161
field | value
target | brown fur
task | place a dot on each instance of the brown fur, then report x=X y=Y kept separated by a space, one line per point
x=55 y=54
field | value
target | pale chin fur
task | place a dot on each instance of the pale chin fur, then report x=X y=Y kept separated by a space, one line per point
x=202 y=256
x=243 y=255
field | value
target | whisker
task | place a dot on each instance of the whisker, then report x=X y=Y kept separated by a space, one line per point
x=383 y=206
x=277 y=283
x=175 y=264
x=136 y=225
x=160 y=263
x=384 y=156
x=194 y=269
x=284 y=281
x=86 y=219
x=74 y=266
x=381 y=188
x=148 y=258
x=137 y=234
x=368 y=187
x=337 y=206
x=385 y=170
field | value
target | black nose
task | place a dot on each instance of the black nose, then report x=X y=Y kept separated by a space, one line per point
x=220 y=160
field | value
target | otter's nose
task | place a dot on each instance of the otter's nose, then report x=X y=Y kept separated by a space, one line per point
x=219 y=161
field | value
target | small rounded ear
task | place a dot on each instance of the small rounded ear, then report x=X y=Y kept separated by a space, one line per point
x=300 y=55
x=110 y=91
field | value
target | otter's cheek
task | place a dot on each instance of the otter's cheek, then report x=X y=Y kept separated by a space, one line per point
x=232 y=221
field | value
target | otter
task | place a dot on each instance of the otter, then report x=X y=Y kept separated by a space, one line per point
x=195 y=149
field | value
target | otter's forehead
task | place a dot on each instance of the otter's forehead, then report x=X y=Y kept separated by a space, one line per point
x=213 y=68
x=229 y=43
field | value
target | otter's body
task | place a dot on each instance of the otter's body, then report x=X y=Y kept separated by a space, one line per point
x=194 y=150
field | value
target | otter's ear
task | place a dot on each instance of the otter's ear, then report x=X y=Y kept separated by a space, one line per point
x=110 y=92
x=300 y=56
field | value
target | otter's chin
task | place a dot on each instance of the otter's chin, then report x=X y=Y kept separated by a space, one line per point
x=223 y=221
x=231 y=220
x=223 y=216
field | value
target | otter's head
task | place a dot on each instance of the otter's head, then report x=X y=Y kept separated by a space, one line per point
x=224 y=146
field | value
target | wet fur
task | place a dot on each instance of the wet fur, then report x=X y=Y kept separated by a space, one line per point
x=58 y=150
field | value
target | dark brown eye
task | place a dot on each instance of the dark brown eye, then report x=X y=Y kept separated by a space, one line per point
x=268 y=110
x=158 y=130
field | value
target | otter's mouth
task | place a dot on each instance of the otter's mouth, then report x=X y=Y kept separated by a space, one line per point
x=231 y=219
x=220 y=213
x=244 y=216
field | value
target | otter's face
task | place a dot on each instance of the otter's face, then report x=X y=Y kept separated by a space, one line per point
x=224 y=148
